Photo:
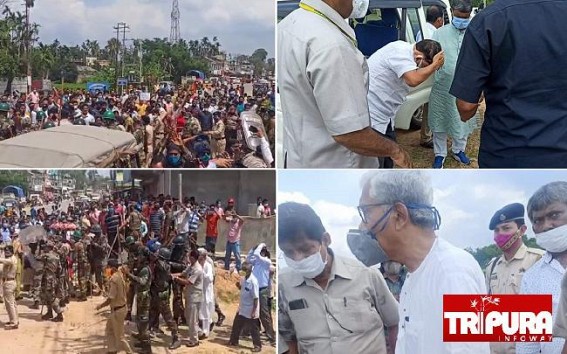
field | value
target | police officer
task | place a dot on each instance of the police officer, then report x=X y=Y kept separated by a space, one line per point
x=142 y=277
x=117 y=301
x=50 y=287
x=159 y=293
x=134 y=248
x=504 y=274
x=99 y=252
x=83 y=266
x=9 y=286
x=178 y=254
x=37 y=266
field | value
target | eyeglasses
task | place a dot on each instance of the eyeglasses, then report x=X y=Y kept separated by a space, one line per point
x=363 y=210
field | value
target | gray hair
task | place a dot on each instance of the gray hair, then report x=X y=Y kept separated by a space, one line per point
x=407 y=187
x=546 y=195
x=461 y=5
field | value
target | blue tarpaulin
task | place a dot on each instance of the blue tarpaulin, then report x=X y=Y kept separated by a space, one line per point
x=93 y=86
x=15 y=190
x=197 y=73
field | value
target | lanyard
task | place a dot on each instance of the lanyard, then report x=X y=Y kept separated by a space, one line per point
x=317 y=12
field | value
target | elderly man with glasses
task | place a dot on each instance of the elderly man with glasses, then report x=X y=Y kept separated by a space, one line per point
x=399 y=223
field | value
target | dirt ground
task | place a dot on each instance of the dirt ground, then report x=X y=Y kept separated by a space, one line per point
x=83 y=329
x=423 y=157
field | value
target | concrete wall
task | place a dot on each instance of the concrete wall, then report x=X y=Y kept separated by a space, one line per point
x=243 y=185
x=254 y=232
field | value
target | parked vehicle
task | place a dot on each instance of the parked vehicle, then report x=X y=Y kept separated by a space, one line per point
x=69 y=146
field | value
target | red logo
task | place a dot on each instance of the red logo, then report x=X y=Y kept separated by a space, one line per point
x=497 y=318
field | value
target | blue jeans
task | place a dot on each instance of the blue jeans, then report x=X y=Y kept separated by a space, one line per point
x=232 y=248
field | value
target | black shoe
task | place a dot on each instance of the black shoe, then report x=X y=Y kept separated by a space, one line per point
x=202 y=336
x=59 y=318
x=221 y=320
x=192 y=344
x=176 y=343
x=427 y=144
x=47 y=316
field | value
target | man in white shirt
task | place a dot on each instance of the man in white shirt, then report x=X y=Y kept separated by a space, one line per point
x=85 y=115
x=547 y=210
x=322 y=78
x=393 y=70
x=434 y=18
x=261 y=270
x=396 y=208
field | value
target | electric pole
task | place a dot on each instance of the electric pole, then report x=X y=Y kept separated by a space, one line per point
x=121 y=26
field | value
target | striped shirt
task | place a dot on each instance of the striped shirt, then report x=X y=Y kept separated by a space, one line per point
x=156 y=221
x=544 y=277
x=194 y=222
x=112 y=223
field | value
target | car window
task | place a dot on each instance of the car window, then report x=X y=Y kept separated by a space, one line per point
x=414 y=26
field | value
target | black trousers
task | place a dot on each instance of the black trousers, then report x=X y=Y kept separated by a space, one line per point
x=240 y=323
x=386 y=162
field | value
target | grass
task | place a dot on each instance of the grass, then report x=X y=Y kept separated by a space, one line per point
x=423 y=157
x=70 y=86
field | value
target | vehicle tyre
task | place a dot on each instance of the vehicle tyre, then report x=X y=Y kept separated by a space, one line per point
x=416 y=119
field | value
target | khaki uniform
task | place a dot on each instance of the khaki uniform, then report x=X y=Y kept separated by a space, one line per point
x=350 y=314
x=505 y=277
x=118 y=309
x=218 y=143
x=18 y=252
x=9 y=287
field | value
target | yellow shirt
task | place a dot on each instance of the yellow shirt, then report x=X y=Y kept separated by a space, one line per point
x=141 y=108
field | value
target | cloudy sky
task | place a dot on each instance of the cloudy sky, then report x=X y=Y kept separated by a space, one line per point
x=241 y=26
x=466 y=199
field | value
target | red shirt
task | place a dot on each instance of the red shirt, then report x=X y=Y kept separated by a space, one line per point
x=180 y=123
x=212 y=224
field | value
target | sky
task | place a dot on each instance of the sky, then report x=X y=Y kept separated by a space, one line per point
x=241 y=26
x=466 y=199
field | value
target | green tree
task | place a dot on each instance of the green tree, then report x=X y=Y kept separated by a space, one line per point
x=13 y=178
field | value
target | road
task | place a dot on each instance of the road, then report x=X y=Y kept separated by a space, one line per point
x=82 y=330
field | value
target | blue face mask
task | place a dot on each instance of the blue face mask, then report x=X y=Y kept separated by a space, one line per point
x=173 y=160
x=461 y=23
x=206 y=158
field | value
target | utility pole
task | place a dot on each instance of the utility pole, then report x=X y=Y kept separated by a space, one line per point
x=121 y=26
x=28 y=4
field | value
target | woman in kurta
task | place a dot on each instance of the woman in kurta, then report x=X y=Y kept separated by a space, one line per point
x=444 y=118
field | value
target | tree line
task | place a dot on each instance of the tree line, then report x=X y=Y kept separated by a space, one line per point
x=156 y=59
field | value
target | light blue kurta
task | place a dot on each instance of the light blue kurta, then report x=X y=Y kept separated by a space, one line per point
x=443 y=114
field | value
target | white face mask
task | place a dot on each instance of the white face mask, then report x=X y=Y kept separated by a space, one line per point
x=554 y=240
x=309 y=267
x=359 y=8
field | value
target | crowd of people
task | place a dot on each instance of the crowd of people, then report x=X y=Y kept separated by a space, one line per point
x=349 y=121
x=144 y=250
x=196 y=126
